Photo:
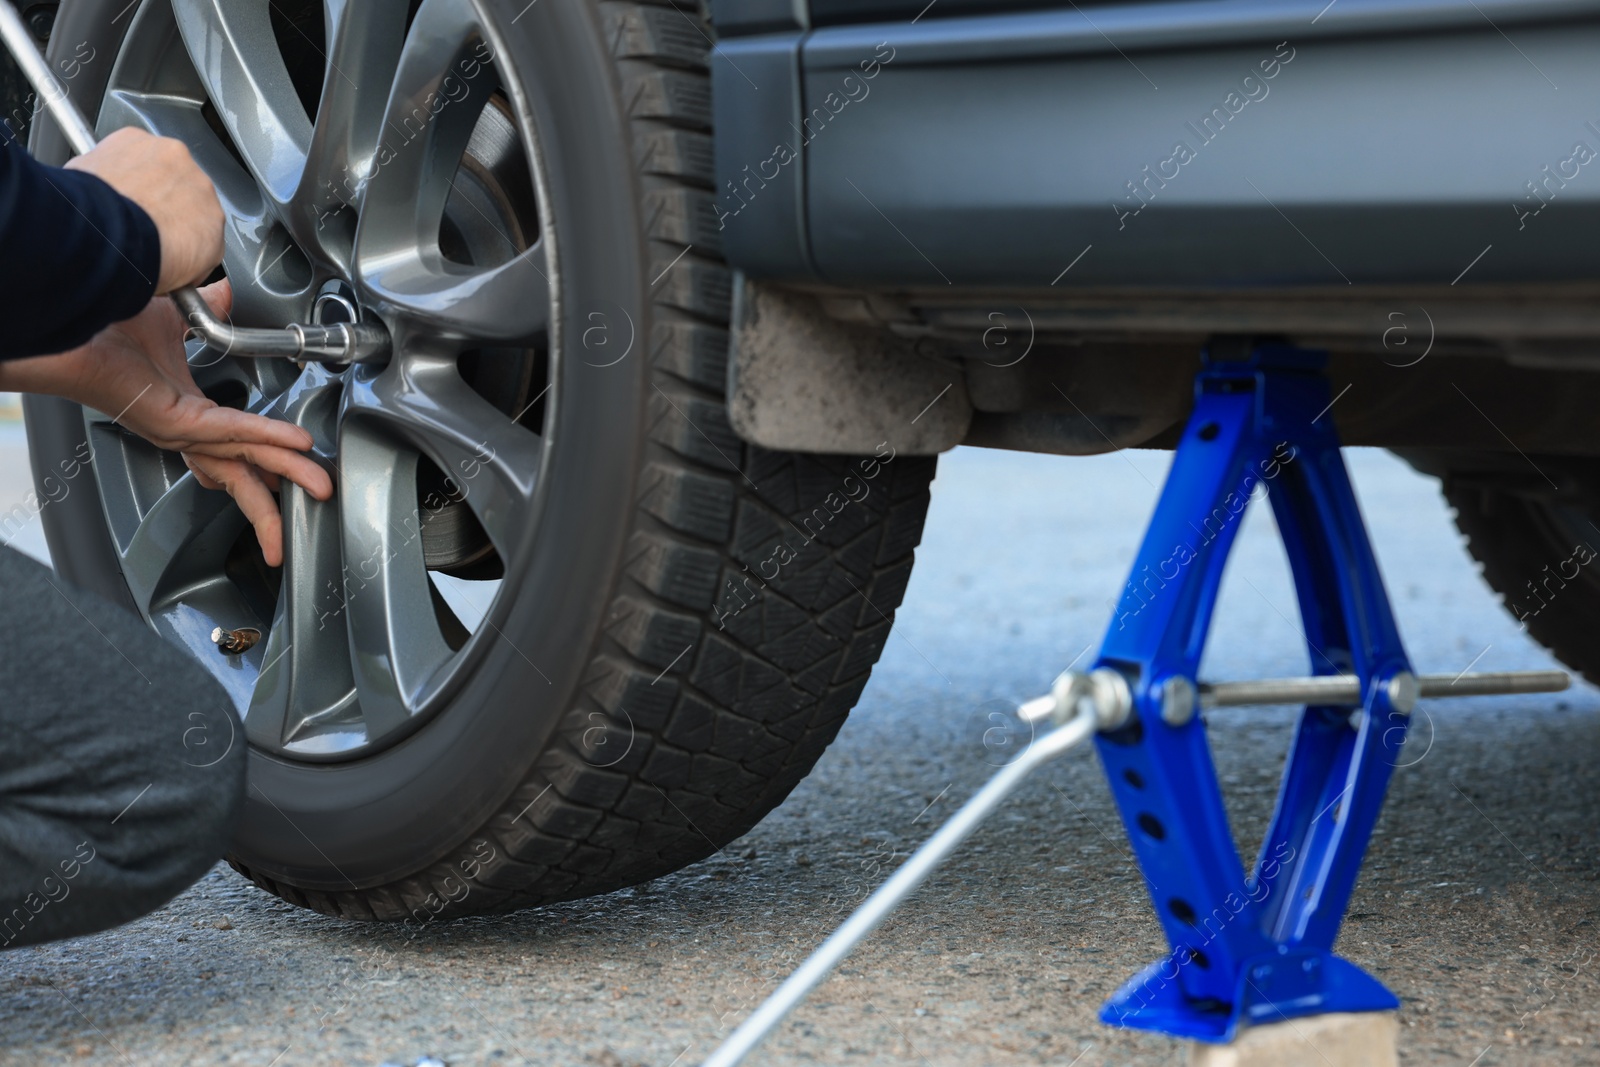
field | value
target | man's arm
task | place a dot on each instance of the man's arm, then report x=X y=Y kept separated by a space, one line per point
x=75 y=256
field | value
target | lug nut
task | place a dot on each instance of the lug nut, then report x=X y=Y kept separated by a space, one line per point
x=41 y=20
x=235 y=642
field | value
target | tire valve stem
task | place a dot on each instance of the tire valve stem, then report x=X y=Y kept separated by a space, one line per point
x=235 y=642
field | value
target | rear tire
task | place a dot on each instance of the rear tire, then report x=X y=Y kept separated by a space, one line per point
x=719 y=607
x=1541 y=553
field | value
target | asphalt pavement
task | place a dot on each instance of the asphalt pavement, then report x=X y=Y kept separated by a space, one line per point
x=1477 y=905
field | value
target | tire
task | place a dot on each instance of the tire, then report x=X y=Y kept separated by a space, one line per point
x=1538 y=552
x=685 y=620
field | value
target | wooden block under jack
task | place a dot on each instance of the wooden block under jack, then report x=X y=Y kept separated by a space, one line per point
x=1350 y=1039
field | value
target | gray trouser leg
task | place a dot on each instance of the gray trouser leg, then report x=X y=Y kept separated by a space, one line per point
x=122 y=763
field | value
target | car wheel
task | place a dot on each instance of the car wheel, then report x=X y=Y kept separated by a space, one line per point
x=1540 y=553
x=560 y=630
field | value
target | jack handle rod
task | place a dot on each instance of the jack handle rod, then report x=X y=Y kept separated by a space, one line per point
x=905 y=880
x=1344 y=690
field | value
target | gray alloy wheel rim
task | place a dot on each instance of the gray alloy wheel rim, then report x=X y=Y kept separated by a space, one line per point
x=361 y=644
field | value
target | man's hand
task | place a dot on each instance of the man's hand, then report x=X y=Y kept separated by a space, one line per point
x=160 y=175
x=136 y=372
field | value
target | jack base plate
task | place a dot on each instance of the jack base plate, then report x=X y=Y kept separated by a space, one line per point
x=1272 y=987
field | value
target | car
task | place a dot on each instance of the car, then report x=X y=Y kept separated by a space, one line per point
x=685 y=304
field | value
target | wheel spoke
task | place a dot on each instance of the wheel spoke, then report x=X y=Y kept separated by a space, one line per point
x=254 y=249
x=507 y=304
x=183 y=539
x=235 y=52
x=440 y=89
x=305 y=677
x=491 y=461
x=306 y=662
x=179 y=117
x=395 y=643
x=440 y=83
x=364 y=40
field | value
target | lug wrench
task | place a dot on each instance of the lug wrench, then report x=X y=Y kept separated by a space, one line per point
x=344 y=342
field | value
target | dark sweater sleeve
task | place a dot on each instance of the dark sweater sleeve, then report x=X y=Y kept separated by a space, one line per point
x=75 y=255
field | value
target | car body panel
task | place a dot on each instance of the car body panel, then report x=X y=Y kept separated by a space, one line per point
x=1167 y=144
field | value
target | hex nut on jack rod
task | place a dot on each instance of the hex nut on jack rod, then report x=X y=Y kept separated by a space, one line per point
x=1179 y=699
x=1404 y=691
x=1105 y=689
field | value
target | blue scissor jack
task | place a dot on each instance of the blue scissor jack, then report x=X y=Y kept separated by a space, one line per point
x=1253 y=947
x=1247 y=947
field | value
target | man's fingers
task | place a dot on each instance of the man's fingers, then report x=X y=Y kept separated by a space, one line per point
x=298 y=467
x=275 y=446
x=205 y=480
x=219 y=297
x=220 y=426
x=254 y=499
